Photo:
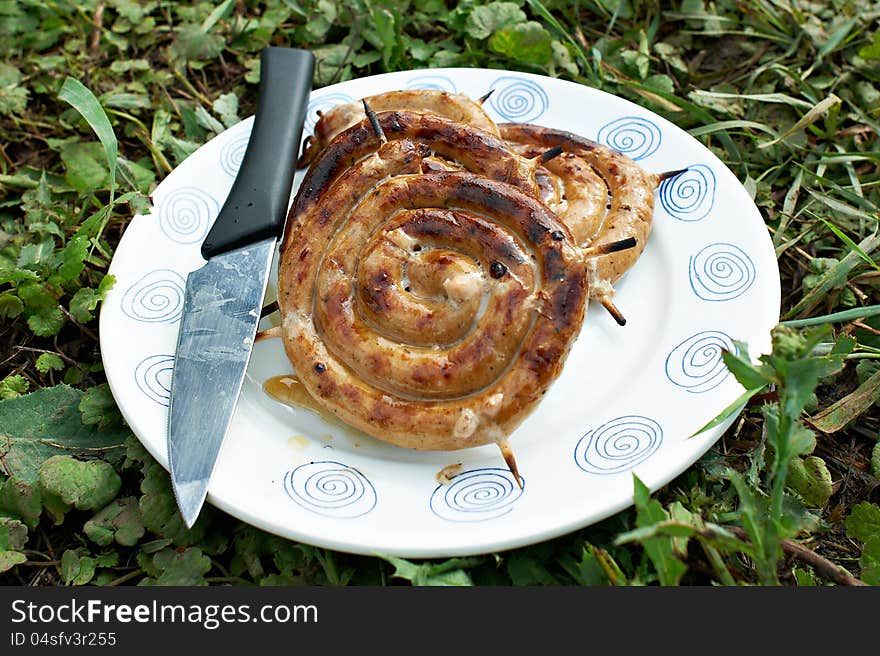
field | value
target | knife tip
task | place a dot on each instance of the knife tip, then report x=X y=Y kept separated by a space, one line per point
x=190 y=499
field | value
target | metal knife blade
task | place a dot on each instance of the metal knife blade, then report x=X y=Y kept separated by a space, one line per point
x=220 y=317
x=222 y=299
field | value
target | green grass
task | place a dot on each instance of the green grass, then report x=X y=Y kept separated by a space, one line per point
x=787 y=94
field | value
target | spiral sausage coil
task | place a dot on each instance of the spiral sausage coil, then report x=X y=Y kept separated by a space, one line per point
x=431 y=310
x=435 y=268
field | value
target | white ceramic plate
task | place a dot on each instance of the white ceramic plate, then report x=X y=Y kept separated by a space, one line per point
x=626 y=402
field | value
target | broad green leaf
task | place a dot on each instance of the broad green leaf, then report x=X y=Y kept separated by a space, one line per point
x=863 y=522
x=844 y=344
x=449 y=572
x=587 y=570
x=287 y=557
x=46 y=322
x=178 y=568
x=126 y=100
x=85 y=485
x=487 y=19
x=525 y=568
x=329 y=59
x=84 y=101
x=55 y=507
x=9 y=559
x=33 y=255
x=872 y=50
x=13 y=386
x=226 y=107
x=527 y=42
x=800 y=382
x=13 y=95
x=98 y=408
x=659 y=549
x=85 y=167
x=564 y=33
x=13 y=537
x=563 y=59
x=10 y=305
x=207 y=121
x=810 y=478
x=13 y=534
x=21 y=500
x=160 y=513
x=798 y=442
x=47 y=362
x=77 y=567
x=192 y=43
x=248 y=545
x=869 y=561
x=47 y=423
x=763 y=532
x=387 y=40
x=86 y=299
x=747 y=374
x=120 y=521
x=73 y=258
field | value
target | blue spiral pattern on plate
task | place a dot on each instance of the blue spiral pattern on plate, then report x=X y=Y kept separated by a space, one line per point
x=476 y=495
x=232 y=153
x=517 y=99
x=618 y=445
x=155 y=298
x=437 y=82
x=186 y=213
x=323 y=103
x=696 y=363
x=331 y=489
x=153 y=377
x=635 y=137
x=689 y=196
x=721 y=272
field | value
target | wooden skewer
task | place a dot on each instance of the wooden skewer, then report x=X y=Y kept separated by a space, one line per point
x=374 y=122
x=507 y=454
x=547 y=155
x=608 y=304
x=611 y=247
x=269 y=333
x=669 y=174
x=483 y=99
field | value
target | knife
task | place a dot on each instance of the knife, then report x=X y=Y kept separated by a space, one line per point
x=222 y=300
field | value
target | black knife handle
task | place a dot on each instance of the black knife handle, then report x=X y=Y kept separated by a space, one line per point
x=257 y=203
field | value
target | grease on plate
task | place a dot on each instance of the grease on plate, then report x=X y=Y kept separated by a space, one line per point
x=445 y=475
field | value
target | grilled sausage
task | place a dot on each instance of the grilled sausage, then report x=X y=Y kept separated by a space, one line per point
x=454 y=107
x=631 y=191
x=431 y=310
x=465 y=147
